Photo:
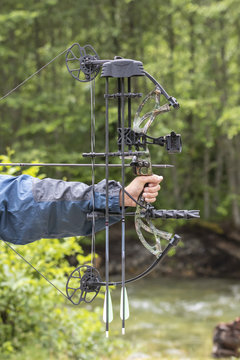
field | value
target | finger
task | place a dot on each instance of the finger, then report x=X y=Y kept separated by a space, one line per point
x=155 y=179
x=150 y=200
x=150 y=196
x=152 y=189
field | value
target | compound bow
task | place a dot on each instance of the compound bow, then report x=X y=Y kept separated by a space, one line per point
x=84 y=64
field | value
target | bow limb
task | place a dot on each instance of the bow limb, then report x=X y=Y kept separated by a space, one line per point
x=142 y=123
x=148 y=226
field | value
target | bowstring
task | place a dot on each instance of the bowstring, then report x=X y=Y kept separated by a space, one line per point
x=39 y=272
x=31 y=76
x=5 y=242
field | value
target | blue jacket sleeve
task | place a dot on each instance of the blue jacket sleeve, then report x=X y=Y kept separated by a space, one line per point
x=31 y=209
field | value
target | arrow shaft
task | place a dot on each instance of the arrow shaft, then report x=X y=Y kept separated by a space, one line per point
x=22 y=164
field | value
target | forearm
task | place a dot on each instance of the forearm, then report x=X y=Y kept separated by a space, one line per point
x=31 y=209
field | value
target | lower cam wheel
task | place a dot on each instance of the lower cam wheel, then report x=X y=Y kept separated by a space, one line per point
x=82 y=284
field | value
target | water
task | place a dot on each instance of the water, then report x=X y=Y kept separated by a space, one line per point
x=173 y=318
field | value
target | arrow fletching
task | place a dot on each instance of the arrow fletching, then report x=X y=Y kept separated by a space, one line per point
x=107 y=304
x=124 y=305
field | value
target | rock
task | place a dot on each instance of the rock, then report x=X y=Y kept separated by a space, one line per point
x=226 y=339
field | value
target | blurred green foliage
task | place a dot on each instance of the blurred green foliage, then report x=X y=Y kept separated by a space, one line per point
x=192 y=48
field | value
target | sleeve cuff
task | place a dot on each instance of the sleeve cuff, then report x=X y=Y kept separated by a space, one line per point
x=114 y=205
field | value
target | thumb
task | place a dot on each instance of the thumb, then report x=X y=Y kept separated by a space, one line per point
x=152 y=179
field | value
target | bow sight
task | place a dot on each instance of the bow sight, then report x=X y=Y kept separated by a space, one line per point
x=172 y=141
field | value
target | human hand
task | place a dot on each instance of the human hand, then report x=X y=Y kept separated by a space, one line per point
x=136 y=187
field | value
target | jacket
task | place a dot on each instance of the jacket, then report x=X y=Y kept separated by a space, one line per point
x=31 y=209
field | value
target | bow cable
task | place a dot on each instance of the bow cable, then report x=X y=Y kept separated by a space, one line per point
x=124 y=308
x=107 y=314
x=92 y=94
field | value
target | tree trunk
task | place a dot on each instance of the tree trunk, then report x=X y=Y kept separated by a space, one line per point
x=232 y=182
